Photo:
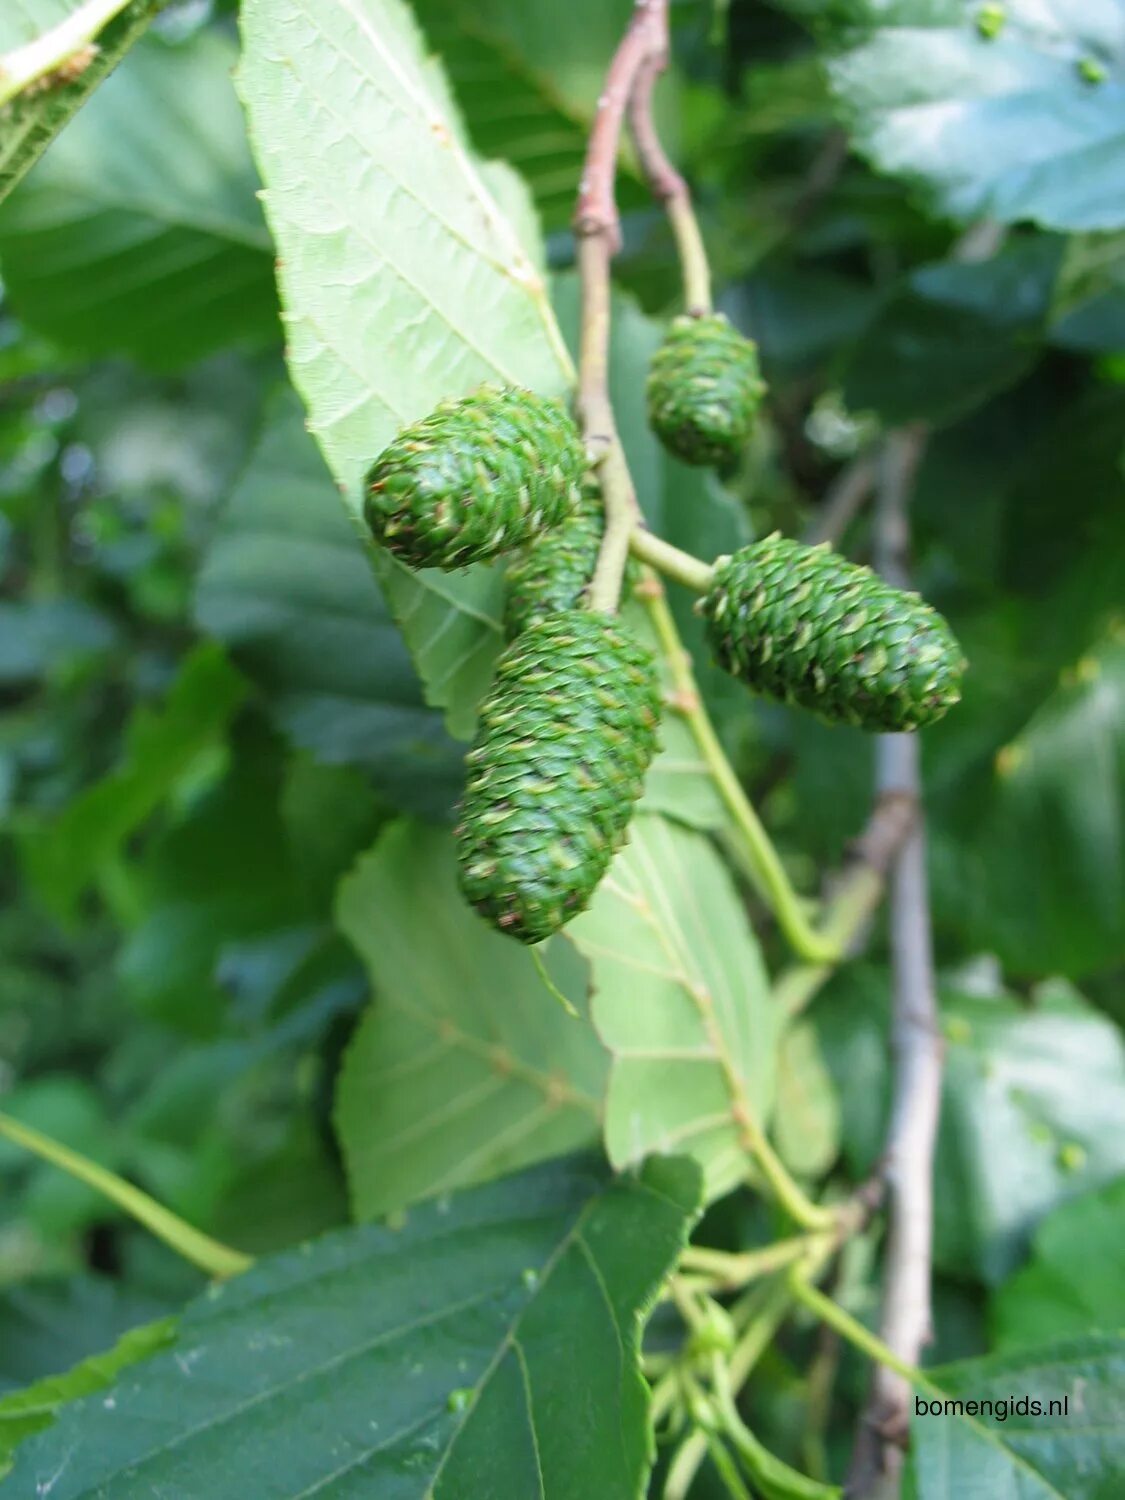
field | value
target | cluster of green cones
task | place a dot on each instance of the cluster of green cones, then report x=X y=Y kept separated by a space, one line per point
x=569 y=728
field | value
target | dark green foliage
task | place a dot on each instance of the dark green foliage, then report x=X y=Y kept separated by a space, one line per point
x=476 y=478
x=270 y=1005
x=804 y=625
x=553 y=573
x=566 y=736
x=704 y=390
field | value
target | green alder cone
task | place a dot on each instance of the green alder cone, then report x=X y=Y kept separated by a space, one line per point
x=704 y=390
x=804 y=625
x=566 y=735
x=556 y=569
x=479 y=476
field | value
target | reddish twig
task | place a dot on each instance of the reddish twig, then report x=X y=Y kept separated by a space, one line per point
x=597 y=228
x=666 y=184
x=596 y=213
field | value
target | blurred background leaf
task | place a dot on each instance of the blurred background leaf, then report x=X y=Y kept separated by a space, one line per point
x=287 y=586
x=136 y=235
x=35 y=117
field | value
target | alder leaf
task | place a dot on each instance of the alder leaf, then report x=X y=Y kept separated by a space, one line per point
x=33 y=119
x=1074 y=1282
x=1076 y=1452
x=30 y=1410
x=465 y=1066
x=808 y=1109
x=528 y=79
x=287 y=587
x=1024 y=123
x=490 y=1346
x=69 y=851
x=402 y=279
x=681 y=1000
x=140 y=235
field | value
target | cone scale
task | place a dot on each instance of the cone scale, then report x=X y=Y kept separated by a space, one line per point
x=566 y=735
x=478 y=477
x=704 y=389
x=805 y=626
x=556 y=570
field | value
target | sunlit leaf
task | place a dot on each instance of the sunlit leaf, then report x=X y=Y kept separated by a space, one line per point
x=681 y=1002
x=1019 y=121
x=466 y=1066
x=402 y=278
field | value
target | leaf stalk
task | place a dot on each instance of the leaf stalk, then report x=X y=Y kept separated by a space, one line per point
x=200 y=1249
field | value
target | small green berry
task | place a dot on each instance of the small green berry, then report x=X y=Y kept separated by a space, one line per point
x=991 y=20
x=478 y=477
x=704 y=389
x=714 y=1333
x=808 y=627
x=1092 y=71
x=957 y=1030
x=1072 y=1156
x=566 y=735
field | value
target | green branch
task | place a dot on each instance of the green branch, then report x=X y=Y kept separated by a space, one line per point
x=757 y=1317
x=671 y=561
x=763 y=862
x=52 y=52
x=770 y=1473
x=209 y=1255
x=851 y=1329
x=729 y=1271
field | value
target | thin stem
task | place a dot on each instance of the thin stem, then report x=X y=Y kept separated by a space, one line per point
x=855 y=899
x=769 y=1472
x=685 y=1466
x=728 y=1270
x=664 y=1394
x=796 y=1203
x=726 y=1468
x=851 y=1329
x=50 y=52
x=760 y=1314
x=820 y=1381
x=208 y=1254
x=763 y=863
x=665 y=182
x=620 y=501
x=598 y=231
x=596 y=213
x=692 y=256
x=846 y=497
x=693 y=573
x=595 y=409
x=688 y=1309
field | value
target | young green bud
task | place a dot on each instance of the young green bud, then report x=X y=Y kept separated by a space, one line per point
x=804 y=625
x=477 y=477
x=566 y=735
x=704 y=390
x=554 y=572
